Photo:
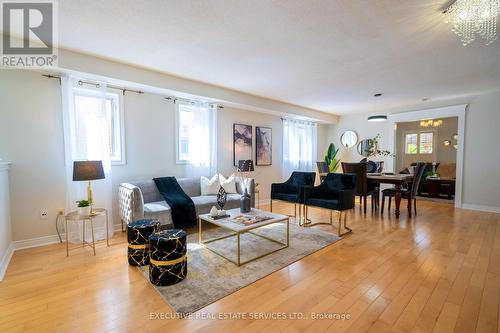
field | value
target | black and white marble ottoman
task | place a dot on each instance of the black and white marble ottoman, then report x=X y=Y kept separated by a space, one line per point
x=168 y=257
x=138 y=233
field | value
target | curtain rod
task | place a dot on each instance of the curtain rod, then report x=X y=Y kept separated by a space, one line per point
x=97 y=85
x=174 y=99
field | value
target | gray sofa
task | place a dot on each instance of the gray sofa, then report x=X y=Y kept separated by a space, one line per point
x=141 y=199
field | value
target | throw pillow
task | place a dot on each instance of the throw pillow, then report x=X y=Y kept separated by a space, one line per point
x=210 y=186
x=229 y=184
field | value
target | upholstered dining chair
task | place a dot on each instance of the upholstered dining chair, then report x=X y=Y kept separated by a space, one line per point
x=292 y=190
x=336 y=192
x=363 y=189
x=322 y=169
x=409 y=193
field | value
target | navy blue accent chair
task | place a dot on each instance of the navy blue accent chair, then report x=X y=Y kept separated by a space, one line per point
x=336 y=192
x=292 y=190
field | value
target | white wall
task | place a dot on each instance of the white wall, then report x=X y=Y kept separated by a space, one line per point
x=481 y=179
x=31 y=136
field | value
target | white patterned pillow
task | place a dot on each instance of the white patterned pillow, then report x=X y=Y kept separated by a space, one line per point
x=210 y=186
x=229 y=184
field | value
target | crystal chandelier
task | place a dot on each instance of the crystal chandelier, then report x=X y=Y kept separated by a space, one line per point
x=474 y=17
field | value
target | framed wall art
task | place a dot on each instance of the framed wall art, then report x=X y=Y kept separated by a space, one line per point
x=263 y=146
x=242 y=143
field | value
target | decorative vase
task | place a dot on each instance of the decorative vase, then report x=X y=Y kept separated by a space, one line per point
x=245 y=202
x=221 y=198
x=84 y=211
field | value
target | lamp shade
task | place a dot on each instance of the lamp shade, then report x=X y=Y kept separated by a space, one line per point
x=87 y=170
x=245 y=165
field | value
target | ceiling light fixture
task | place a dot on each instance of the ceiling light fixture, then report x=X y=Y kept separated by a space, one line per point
x=431 y=123
x=376 y=118
x=469 y=18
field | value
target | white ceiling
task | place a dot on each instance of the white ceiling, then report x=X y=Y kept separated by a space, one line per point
x=323 y=54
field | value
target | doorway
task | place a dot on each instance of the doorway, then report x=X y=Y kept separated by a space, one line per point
x=434 y=142
x=456 y=111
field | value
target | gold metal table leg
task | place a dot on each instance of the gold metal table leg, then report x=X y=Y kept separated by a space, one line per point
x=92 y=230
x=67 y=245
x=199 y=231
x=287 y=232
x=107 y=228
x=239 y=258
x=83 y=236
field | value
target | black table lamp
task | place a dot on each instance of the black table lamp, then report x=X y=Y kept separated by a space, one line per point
x=245 y=166
x=88 y=171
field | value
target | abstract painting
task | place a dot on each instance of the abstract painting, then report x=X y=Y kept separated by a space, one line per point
x=263 y=147
x=242 y=143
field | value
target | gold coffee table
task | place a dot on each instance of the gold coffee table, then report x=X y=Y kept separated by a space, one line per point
x=238 y=229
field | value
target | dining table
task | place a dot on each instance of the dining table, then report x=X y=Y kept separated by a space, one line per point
x=398 y=180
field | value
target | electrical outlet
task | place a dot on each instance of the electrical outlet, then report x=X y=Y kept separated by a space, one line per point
x=44 y=213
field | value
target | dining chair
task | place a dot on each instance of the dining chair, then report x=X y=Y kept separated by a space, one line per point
x=363 y=189
x=322 y=169
x=409 y=193
x=292 y=190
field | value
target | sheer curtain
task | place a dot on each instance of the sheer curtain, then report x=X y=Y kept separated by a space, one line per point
x=202 y=143
x=86 y=137
x=299 y=146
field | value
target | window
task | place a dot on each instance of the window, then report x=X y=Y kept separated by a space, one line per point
x=426 y=142
x=184 y=131
x=196 y=137
x=87 y=116
x=299 y=146
x=411 y=143
x=419 y=143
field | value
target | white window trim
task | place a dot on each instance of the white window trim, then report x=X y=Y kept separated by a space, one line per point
x=92 y=93
x=433 y=131
x=177 y=160
x=405 y=143
x=121 y=111
x=418 y=132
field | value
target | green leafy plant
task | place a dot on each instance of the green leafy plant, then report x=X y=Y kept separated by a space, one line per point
x=83 y=203
x=330 y=158
x=372 y=150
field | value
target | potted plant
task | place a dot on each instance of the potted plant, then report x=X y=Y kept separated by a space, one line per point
x=83 y=207
x=330 y=158
x=373 y=151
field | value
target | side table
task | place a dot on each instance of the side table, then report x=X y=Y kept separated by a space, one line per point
x=75 y=216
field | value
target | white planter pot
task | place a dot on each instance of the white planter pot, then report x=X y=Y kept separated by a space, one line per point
x=85 y=211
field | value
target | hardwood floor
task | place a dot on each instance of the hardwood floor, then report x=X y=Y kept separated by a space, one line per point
x=436 y=272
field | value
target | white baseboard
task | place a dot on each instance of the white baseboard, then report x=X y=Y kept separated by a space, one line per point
x=6 y=260
x=490 y=209
x=30 y=243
